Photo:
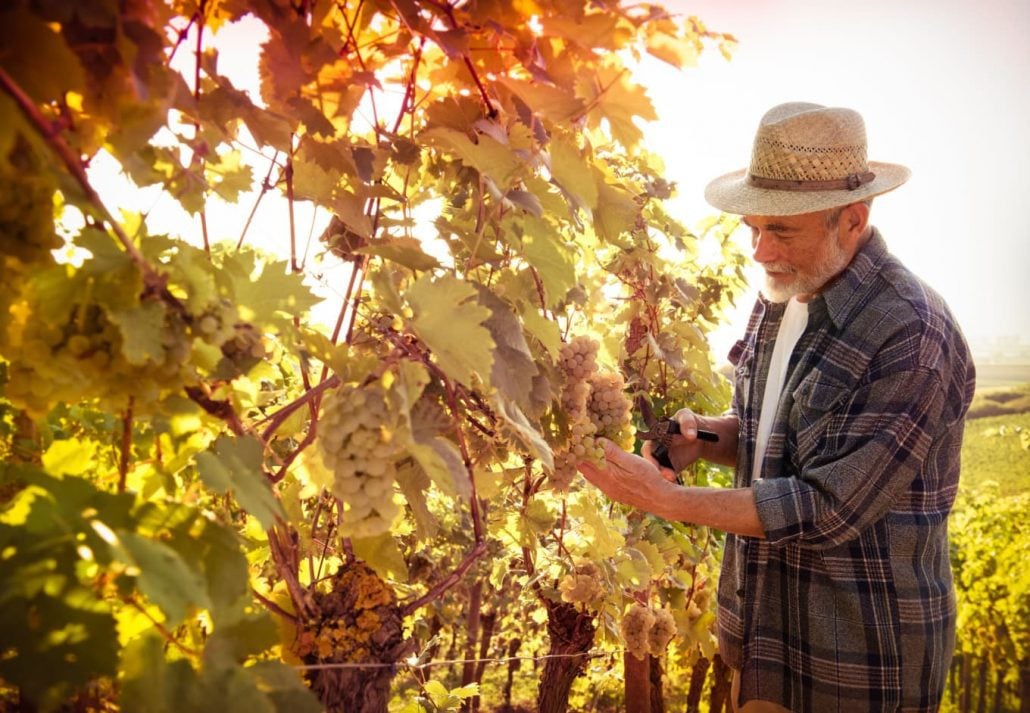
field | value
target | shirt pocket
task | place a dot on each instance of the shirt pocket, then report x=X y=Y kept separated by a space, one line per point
x=816 y=400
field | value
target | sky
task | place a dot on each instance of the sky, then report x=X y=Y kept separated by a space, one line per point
x=943 y=87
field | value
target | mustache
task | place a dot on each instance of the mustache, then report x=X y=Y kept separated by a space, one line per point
x=779 y=267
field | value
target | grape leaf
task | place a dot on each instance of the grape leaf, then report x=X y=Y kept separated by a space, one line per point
x=27 y=44
x=605 y=539
x=382 y=554
x=165 y=577
x=619 y=101
x=544 y=250
x=615 y=214
x=236 y=464
x=573 y=173
x=267 y=292
x=514 y=366
x=403 y=251
x=70 y=457
x=414 y=482
x=522 y=430
x=550 y=102
x=488 y=156
x=142 y=329
x=449 y=319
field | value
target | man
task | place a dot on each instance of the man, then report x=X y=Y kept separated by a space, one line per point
x=851 y=384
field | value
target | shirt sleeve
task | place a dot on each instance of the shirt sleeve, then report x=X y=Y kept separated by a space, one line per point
x=866 y=451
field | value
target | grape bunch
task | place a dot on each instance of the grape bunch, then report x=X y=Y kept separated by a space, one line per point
x=26 y=211
x=86 y=355
x=595 y=405
x=647 y=631
x=610 y=408
x=216 y=325
x=583 y=585
x=578 y=362
x=355 y=442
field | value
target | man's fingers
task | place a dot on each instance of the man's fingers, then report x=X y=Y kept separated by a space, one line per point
x=687 y=420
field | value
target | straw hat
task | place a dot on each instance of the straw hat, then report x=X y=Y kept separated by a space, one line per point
x=806 y=158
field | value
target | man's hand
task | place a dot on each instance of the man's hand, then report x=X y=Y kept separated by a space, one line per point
x=630 y=479
x=638 y=482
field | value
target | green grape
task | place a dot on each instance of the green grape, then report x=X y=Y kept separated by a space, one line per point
x=635 y=629
x=610 y=409
x=27 y=217
x=355 y=443
x=662 y=631
x=583 y=585
x=217 y=323
x=83 y=357
x=578 y=362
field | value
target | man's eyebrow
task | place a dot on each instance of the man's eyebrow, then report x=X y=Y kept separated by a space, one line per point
x=773 y=227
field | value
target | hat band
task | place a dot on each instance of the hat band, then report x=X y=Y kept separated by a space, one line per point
x=850 y=183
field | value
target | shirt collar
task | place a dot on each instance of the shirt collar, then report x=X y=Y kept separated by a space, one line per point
x=847 y=292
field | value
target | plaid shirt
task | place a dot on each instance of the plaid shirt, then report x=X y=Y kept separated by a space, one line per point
x=848 y=604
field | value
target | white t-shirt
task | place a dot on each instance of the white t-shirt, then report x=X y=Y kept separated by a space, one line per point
x=795 y=319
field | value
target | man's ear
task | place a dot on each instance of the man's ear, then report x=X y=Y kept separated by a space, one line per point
x=854 y=220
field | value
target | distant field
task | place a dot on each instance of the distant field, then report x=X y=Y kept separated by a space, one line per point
x=998 y=447
x=988 y=375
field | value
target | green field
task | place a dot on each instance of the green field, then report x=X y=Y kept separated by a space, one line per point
x=997 y=440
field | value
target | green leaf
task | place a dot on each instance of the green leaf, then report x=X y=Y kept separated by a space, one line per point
x=414 y=482
x=382 y=554
x=544 y=250
x=526 y=201
x=232 y=644
x=70 y=457
x=225 y=566
x=165 y=577
x=150 y=683
x=267 y=293
x=442 y=462
x=230 y=176
x=550 y=102
x=350 y=208
x=449 y=319
x=620 y=101
x=403 y=251
x=573 y=173
x=545 y=330
x=514 y=366
x=237 y=464
x=616 y=213
x=606 y=541
x=488 y=156
x=522 y=430
x=142 y=329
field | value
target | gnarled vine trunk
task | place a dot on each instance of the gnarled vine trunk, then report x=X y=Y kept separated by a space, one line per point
x=571 y=632
x=356 y=622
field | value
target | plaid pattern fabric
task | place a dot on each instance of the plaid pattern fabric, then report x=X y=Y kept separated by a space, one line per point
x=848 y=605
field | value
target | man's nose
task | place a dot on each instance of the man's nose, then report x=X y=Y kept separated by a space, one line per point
x=762 y=248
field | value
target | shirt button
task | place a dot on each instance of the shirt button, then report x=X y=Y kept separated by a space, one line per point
x=740 y=592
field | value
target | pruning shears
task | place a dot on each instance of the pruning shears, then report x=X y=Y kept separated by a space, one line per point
x=662 y=430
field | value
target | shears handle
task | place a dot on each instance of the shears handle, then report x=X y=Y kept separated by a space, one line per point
x=661 y=451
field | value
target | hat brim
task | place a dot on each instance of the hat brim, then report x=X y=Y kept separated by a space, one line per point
x=732 y=193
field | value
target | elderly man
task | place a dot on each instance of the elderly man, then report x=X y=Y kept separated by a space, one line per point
x=851 y=385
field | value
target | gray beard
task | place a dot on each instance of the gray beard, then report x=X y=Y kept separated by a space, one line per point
x=810 y=283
